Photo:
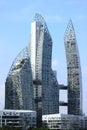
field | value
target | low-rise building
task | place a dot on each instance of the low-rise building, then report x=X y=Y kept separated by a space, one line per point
x=85 y=122
x=18 y=118
x=63 y=122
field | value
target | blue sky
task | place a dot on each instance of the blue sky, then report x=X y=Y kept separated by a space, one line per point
x=15 y=19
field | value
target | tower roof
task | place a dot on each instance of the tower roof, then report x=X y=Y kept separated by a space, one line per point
x=20 y=57
x=69 y=33
x=38 y=18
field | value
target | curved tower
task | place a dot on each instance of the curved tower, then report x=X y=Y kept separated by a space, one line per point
x=31 y=81
x=73 y=72
x=40 y=53
x=19 y=85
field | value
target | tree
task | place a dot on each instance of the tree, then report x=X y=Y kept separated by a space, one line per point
x=9 y=128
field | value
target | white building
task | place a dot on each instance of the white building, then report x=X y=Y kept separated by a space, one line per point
x=18 y=118
x=63 y=122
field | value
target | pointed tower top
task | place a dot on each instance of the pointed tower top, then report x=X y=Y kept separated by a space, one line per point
x=70 y=25
x=38 y=18
x=69 y=33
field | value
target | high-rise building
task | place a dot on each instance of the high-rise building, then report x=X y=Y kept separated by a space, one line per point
x=73 y=72
x=40 y=53
x=32 y=84
x=31 y=78
x=19 y=84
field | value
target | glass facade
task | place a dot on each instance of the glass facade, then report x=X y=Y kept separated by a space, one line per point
x=73 y=72
x=19 y=85
x=32 y=84
x=45 y=83
x=31 y=81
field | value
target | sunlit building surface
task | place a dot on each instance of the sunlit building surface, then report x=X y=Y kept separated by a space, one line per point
x=73 y=72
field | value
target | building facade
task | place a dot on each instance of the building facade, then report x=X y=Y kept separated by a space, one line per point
x=73 y=72
x=63 y=122
x=18 y=118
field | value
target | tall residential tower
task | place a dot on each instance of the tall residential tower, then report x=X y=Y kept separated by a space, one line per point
x=19 y=85
x=31 y=82
x=73 y=72
x=40 y=53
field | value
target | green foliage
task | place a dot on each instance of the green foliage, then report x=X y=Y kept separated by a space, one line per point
x=9 y=128
x=13 y=128
x=83 y=129
x=39 y=128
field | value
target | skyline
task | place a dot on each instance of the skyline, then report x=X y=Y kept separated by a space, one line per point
x=15 y=32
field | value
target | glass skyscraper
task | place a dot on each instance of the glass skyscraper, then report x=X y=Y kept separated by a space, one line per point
x=19 y=84
x=73 y=72
x=32 y=84
x=40 y=53
x=31 y=80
